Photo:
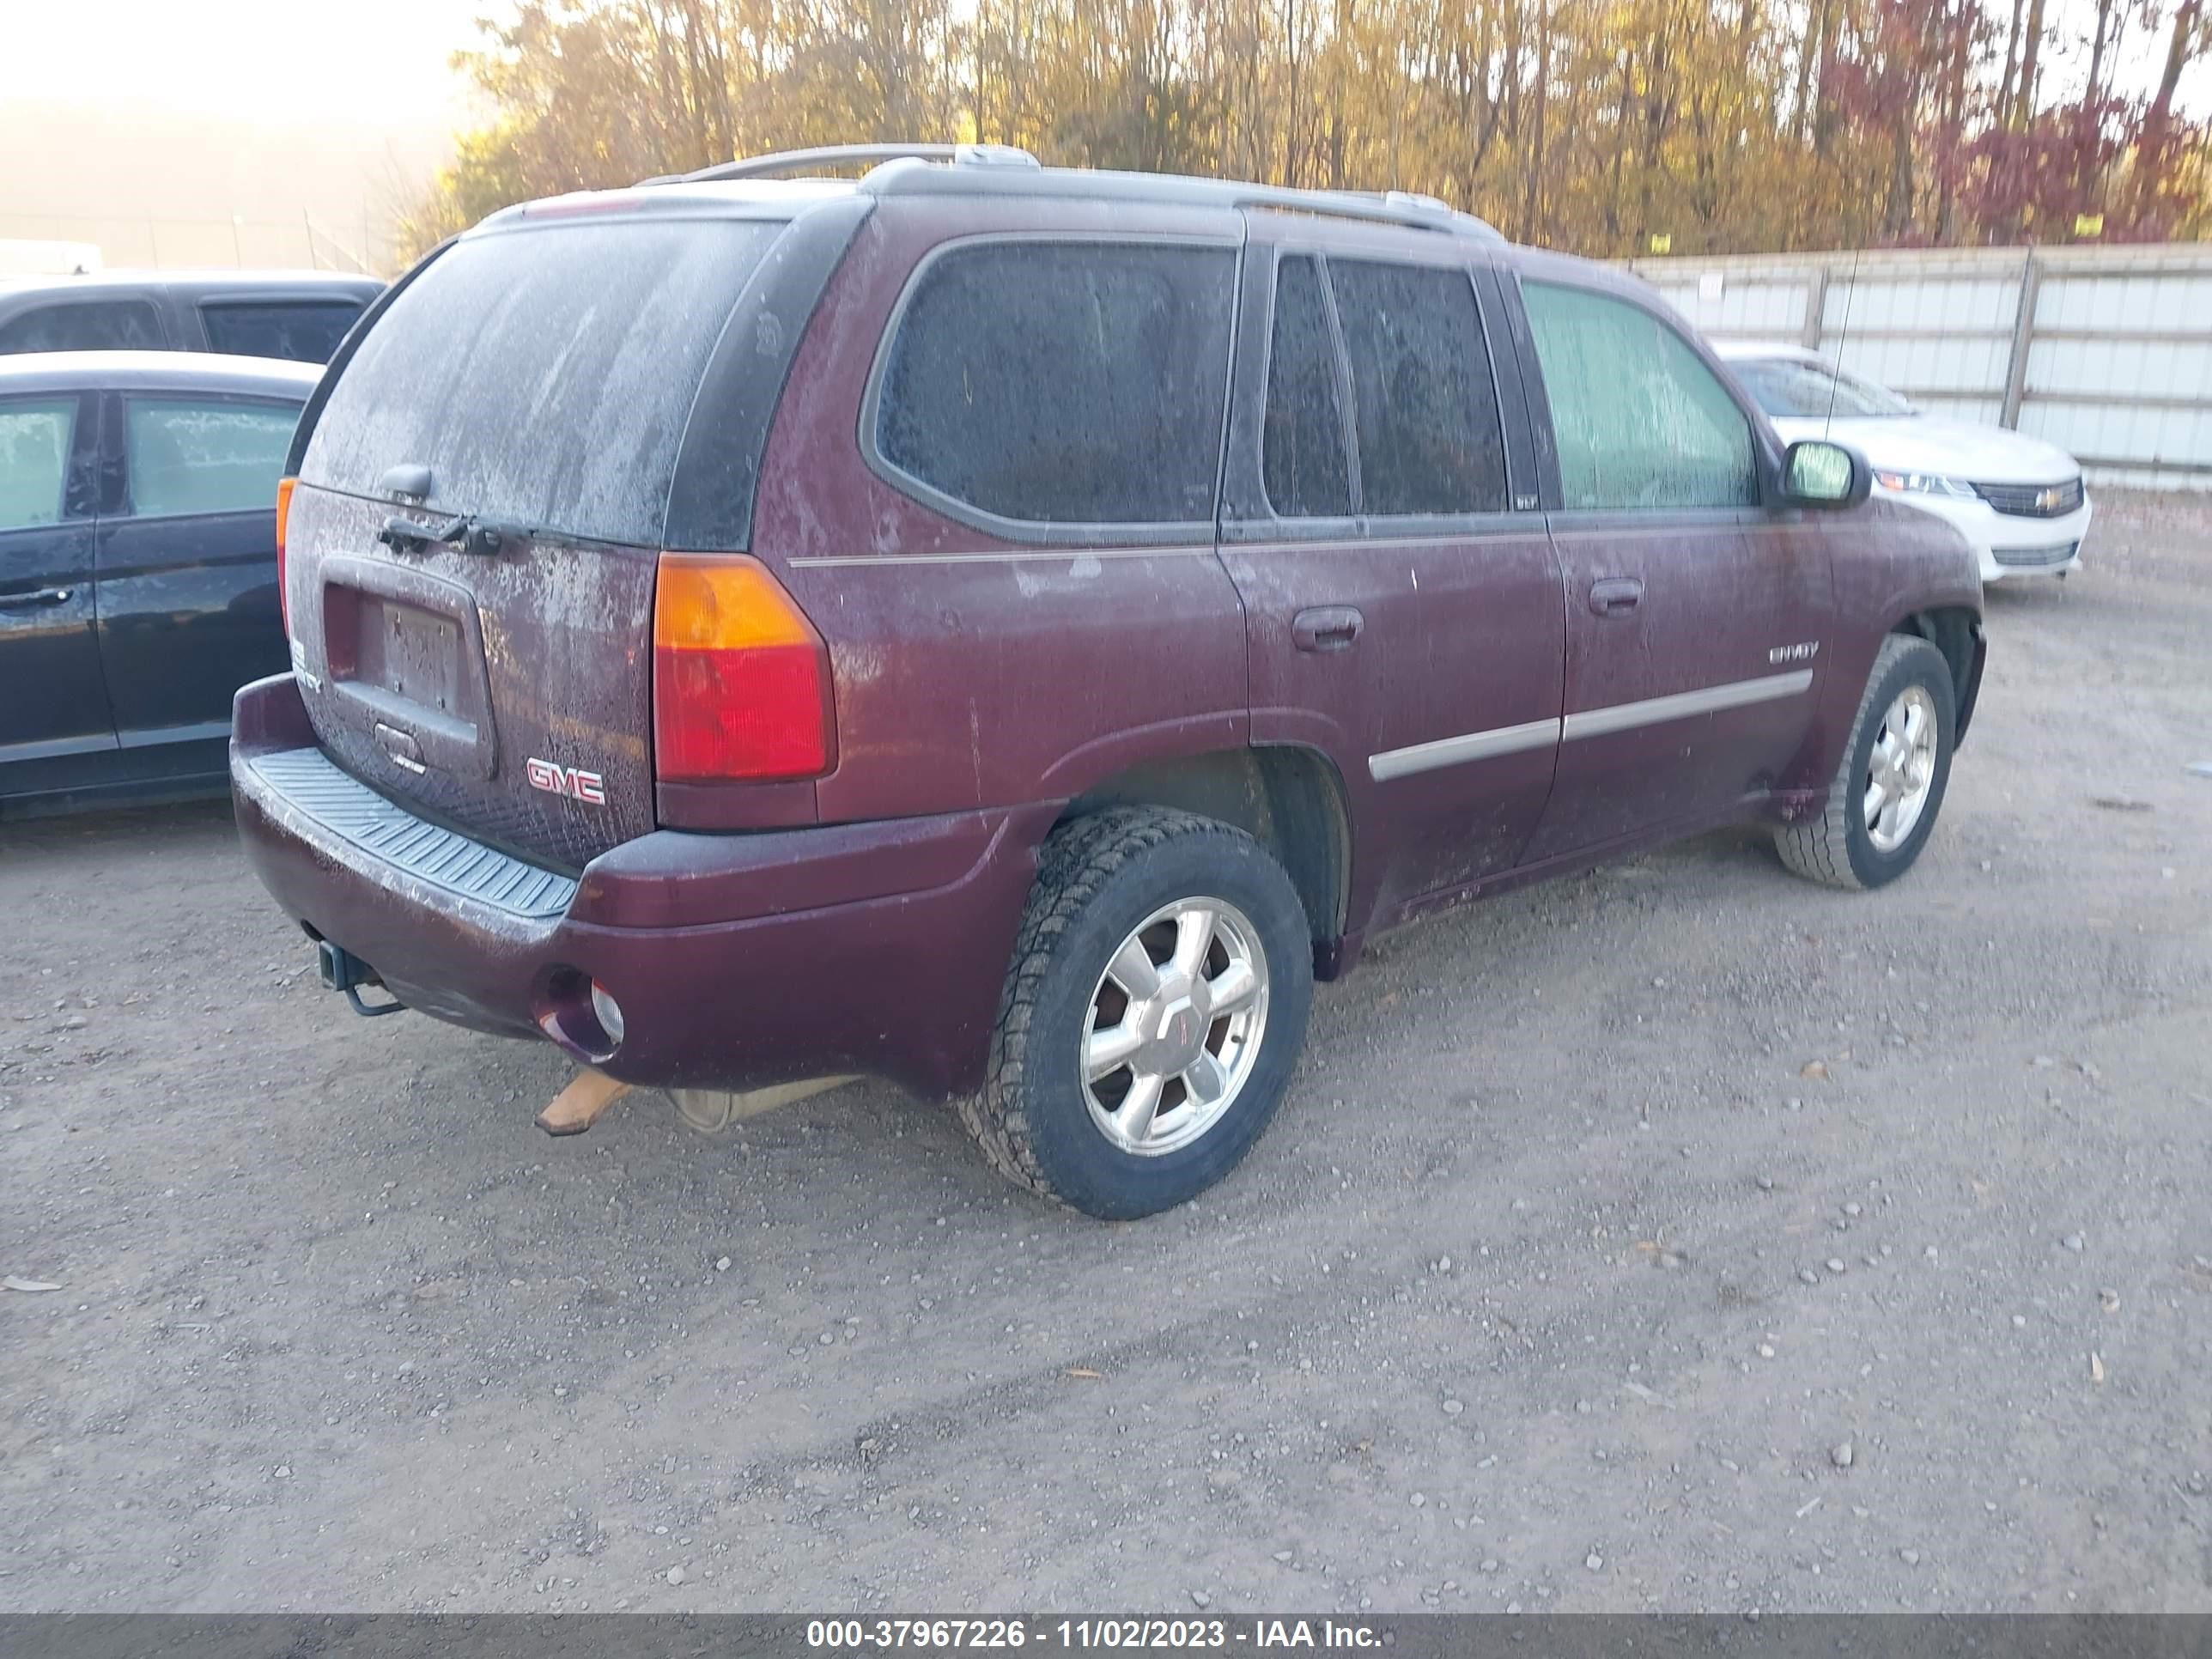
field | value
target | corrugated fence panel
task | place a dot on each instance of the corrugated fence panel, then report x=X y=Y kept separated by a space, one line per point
x=1924 y=368
x=1938 y=300
x=2117 y=360
x=1752 y=308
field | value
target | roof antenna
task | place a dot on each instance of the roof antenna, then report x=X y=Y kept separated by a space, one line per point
x=1843 y=339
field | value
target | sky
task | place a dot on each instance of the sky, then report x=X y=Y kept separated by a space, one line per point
x=386 y=61
x=382 y=61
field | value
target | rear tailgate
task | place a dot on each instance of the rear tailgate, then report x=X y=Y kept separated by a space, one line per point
x=534 y=385
x=508 y=695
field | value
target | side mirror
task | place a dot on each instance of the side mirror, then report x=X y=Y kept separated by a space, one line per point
x=1818 y=473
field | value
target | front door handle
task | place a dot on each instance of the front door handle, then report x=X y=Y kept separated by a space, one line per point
x=44 y=596
x=1616 y=595
x=1326 y=628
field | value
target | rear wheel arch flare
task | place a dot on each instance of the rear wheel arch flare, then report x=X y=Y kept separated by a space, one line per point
x=1289 y=797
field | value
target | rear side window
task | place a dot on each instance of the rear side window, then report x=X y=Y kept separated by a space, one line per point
x=1304 y=465
x=188 y=455
x=36 y=434
x=1063 y=382
x=543 y=375
x=1640 y=421
x=86 y=325
x=1424 y=398
x=306 y=332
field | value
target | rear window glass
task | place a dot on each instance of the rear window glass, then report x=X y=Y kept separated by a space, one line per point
x=544 y=376
x=1064 y=382
x=204 y=455
x=306 y=331
x=86 y=325
x=1426 y=405
x=1304 y=466
x=34 y=451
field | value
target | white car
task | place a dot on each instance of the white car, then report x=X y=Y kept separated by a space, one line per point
x=2018 y=500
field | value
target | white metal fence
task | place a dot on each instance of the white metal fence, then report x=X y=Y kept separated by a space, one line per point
x=2104 y=351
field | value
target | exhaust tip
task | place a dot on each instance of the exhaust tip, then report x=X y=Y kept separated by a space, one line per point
x=580 y=1015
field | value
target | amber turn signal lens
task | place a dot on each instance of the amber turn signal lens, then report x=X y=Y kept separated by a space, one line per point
x=283 y=517
x=740 y=678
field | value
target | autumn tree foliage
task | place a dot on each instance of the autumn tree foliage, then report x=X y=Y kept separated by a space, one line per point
x=1599 y=126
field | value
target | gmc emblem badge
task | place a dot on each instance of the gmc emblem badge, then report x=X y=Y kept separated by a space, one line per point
x=572 y=781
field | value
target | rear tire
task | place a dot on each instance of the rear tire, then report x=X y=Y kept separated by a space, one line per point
x=1152 y=1016
x=1883 y=799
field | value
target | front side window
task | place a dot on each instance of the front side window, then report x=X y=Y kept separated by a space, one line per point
x=306 y=332
x=35 y=435
x=204 y=455
x=1424 y=398
x=1640 y=421
x=1063 y=382
x=1305 y=465
x=85 y=325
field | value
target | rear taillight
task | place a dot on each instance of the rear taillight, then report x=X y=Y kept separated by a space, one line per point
x=740 y=678
x=283 y=517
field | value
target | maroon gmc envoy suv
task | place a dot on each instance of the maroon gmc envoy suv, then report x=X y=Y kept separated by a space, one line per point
x=1011 y=630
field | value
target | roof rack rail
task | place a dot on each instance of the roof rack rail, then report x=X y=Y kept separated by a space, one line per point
x=1016 y=171
x=829 y=155
x=1391 y=207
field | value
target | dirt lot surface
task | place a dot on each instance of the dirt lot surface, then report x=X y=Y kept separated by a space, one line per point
x=1558 y=1284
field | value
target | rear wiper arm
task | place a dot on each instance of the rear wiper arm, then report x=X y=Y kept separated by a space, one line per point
x=463 y=533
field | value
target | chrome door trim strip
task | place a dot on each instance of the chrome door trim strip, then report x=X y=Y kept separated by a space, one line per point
x=1024 y=556
x=1589 y=723
x=1652 y=711
x=1455 y=752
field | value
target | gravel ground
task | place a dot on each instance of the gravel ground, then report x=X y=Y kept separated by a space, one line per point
x=1679 y=1237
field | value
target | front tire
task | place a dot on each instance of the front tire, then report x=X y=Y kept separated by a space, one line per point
x=1883 y=801
x=1152 y=1016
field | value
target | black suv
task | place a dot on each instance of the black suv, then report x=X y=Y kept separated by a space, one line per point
x=300 y=314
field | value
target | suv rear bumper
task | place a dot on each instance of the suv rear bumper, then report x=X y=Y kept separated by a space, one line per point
x=737 y=960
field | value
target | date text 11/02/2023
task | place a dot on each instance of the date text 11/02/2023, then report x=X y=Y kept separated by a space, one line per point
x=1087 y=1633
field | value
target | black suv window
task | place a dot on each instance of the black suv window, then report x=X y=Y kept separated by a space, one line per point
x=1063 y=382
x=306 y=331
x=86 y=325
x=1426 y=403
x=1303 y=462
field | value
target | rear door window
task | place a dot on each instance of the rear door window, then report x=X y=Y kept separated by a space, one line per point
x=543 y=375
x=1305 y=465
x=1640 y=422
x=35 y=435
x=305 y=331
x=1425 y=400
x=1075 y=383
x=117 y=325
x=187 y=455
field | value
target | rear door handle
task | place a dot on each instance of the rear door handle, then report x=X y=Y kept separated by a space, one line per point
x=1326 y=628
x=1616 y=595
x=44 y=596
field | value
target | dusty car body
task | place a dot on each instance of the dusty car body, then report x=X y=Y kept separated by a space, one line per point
x=138 y=567
x=1144 y=592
